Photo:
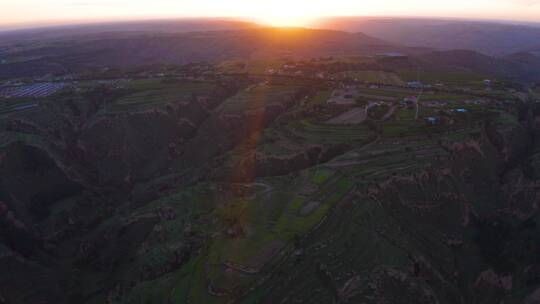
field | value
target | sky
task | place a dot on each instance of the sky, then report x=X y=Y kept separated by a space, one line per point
x=270 y=12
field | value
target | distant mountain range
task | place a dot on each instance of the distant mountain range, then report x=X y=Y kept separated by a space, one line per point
x=518 y=66
x=133 y=27
x=430 y=45
x=490 y=38
x=121 y=49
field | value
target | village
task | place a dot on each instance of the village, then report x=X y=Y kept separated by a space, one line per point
x=362 y=104
x=354 y=89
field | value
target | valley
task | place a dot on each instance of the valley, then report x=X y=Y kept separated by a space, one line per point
x=245 y=181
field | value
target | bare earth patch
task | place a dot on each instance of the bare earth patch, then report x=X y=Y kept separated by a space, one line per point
x=354 y=116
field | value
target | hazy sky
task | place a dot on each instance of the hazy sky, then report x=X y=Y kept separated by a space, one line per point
x=276 y=12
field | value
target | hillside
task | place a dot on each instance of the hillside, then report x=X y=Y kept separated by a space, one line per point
x=60 y=32
x=228 y=163
x=122 y=50
x=131 y=49
x=518 y=67
x=490 y=38
x=240 y=187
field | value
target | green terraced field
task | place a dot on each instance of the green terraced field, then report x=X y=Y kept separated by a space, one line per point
x=402 y=128
x=156 y=95
x=259 y=96
x=442 y=76
x=312 y=131
x=321 y=97
x=271 y=219
x=373 y=77
x=250 y=66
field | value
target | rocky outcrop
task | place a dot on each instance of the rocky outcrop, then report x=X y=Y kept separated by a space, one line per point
x=479 y=199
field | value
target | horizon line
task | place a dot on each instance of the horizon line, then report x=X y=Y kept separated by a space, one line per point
x=28 y=26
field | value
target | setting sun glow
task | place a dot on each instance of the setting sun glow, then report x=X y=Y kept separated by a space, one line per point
x=284 y=21
x=268 y=12
x=285 y=13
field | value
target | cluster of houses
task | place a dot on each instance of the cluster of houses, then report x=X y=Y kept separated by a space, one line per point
x=434 y=120
x=286 y=69
x=431 y=120
x=435 y=104
x=476 y=101
x=418 y=85
x=299 y=69
x=407 y=101
x=344 y=96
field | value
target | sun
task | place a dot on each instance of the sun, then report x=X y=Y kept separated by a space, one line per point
x=284 y=13
x=284 y=20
